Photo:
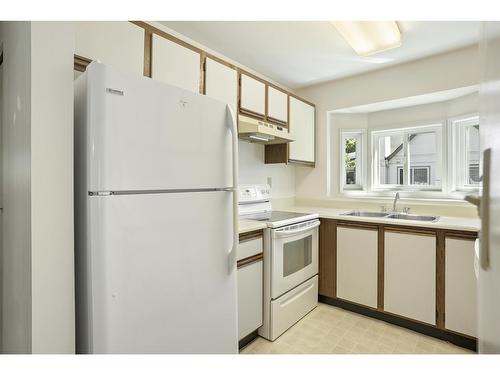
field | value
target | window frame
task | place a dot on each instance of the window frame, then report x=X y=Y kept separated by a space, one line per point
x=376 y=135
x=458 y=155
x=360 y=184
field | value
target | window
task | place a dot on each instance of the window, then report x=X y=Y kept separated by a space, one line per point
x=407 y=159
x=352 y=175
x=465 y=155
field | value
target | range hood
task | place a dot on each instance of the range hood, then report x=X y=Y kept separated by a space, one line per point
x=258 y=131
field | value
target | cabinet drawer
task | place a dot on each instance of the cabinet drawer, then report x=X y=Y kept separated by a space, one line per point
x=249 y=298
x=249 y=248
x=292 y=306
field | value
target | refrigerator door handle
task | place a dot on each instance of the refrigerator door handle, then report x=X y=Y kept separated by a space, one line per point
x=234 y=132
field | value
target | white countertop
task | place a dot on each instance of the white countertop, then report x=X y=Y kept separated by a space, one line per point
x=246 y=225
x=444 y=222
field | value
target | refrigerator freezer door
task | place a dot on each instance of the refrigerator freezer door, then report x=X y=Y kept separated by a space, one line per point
x=160 y=280
x=489 y=264
x=147 y=135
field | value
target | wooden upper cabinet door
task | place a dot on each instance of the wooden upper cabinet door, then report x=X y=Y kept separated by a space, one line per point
x=221 y=82
x=252 y=96
x=302 y=127
x=119 y=44
x=460 y=287
x=357 y=256
x=410 y=276
x=175 y=64
x=277 y=105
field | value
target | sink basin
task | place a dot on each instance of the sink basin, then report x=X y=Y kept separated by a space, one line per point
x=366 y=214
x=431 y=219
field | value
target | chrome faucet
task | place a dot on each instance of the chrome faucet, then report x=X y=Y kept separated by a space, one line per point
x=395 y=201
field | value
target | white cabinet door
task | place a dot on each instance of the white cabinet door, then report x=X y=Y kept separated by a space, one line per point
x=277 y=104
x=410 y=276
x=249 y=298
x=119 y=44
x=460 y=287
x=175 y=64
x=253 y=95
x=357 y=251
x=301 y=125
x=221 y=82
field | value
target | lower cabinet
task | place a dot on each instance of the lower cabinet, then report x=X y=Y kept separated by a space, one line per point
x=460 y=286
x=410 y=275
x=250 y=283
x=357 y=254
x=249 y=298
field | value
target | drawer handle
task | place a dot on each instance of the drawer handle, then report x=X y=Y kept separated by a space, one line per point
x=299 y=294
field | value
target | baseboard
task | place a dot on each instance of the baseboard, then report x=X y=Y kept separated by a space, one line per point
x=458 y=339
x=247 y=339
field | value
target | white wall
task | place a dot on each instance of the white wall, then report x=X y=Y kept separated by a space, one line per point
x=37 y=220
x=52 y=254
x=16 y=186
x=447 y=71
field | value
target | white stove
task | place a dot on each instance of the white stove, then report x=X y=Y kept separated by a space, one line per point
x=290 y=260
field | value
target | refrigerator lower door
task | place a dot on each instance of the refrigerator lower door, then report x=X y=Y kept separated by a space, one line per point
x=160 y=281
x=489 y=252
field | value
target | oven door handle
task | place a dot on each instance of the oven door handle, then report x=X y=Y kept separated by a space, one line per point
x=280 y=233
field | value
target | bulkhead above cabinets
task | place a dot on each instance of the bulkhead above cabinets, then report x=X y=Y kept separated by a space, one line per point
x=265 y=113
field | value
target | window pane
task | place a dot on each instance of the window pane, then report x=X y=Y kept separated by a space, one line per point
x=424 y=159
x=350 y=160
x=472 y=155
x=390 y=155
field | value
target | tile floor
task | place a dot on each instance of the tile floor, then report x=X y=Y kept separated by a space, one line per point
x=330 y=330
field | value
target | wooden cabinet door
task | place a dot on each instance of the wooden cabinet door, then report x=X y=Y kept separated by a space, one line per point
x=460 y=287
x=119 y=44
x=301 y=125
x=221 y=82
x=252 y=95
x=277 y=105
x=175 y=64
x=249 y=298
x=357 y=258
x=327 y=258
x=410 y=275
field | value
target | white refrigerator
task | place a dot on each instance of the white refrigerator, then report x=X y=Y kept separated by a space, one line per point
x=156 y=217
x=489 y=249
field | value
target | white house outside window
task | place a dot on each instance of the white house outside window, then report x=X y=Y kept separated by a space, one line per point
x=407 y=159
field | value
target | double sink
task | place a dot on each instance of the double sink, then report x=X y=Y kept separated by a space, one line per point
x=393 y=215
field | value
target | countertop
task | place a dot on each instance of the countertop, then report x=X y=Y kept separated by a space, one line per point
x=444 y=222
x=245 y=225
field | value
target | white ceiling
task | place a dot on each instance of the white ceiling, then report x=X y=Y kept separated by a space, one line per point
x=301 y=53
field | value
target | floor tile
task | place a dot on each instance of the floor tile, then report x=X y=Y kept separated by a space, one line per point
x=331 y=330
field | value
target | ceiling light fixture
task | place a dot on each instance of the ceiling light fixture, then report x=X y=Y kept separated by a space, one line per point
x=369 y=37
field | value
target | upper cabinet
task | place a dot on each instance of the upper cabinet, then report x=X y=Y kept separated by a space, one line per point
x=252 y=96
x=119 y=44
x=302 y=126
x=277 y=105
x=175 y=64
x=221 y=82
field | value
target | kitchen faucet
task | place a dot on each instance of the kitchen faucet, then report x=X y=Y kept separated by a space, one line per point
x=395 y=201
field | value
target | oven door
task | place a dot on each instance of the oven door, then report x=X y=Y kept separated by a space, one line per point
x=294 y=256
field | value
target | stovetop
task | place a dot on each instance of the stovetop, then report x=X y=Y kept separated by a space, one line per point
x=276 y=219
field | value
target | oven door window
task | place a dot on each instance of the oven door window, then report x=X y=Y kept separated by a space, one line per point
x=297 y=255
